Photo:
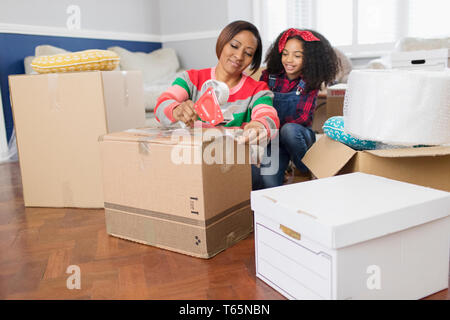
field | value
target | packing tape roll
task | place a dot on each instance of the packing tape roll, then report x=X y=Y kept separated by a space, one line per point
x=220 y=89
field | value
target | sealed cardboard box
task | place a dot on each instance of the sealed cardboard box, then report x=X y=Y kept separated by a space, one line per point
x=353 y=236
x=427 y=166
x=58 y=119
x=180 y=190
x=335 y=100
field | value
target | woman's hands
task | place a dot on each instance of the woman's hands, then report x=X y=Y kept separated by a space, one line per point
x=254 y=133
x=185 y=113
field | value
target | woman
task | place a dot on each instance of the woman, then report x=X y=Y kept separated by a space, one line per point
x=238 y=47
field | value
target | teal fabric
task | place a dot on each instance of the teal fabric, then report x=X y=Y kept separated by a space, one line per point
x=334 y=128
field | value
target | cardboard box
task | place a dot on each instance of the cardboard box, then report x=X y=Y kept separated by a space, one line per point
x=320 y=114
x=353 y=236
x=428 y=166
x=165 y=192
x=335 y=100
x=437 y=59
x=58 y=119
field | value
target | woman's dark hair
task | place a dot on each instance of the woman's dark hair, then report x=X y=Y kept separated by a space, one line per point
x=233 y=29
x=320 y=62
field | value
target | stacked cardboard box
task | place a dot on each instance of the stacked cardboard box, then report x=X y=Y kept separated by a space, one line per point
x=335 y=100
x=58 y=119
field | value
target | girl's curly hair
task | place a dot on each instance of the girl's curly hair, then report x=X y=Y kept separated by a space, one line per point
x=320 y=63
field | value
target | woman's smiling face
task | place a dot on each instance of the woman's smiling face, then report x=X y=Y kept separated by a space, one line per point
x=292 y=58
x=238 y=53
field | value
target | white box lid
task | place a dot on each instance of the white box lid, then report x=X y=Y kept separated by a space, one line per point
x=421 y=54
x=347 y=209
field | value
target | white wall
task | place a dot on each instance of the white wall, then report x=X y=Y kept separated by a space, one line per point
x=189 y=26
x=131 y=16
x=185 y=16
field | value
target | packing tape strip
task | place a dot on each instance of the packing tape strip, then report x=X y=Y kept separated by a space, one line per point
x=126 y=93
x=144 y=148
x=52 y=79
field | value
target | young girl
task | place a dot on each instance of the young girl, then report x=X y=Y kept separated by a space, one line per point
x=298 y=62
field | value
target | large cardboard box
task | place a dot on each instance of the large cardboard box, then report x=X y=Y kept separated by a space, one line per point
x=335 y=100
x=176 y=193
x=58 y=119
x=353 y=236
x=427 y=166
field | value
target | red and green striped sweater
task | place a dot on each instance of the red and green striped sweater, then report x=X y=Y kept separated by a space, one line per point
x=250 y=100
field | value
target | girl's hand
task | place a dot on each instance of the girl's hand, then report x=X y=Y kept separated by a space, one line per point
x=254 y=132
x=185 y=113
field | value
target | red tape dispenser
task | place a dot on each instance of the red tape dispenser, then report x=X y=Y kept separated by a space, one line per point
x=208 y=108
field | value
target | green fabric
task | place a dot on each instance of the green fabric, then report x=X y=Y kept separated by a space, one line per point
x=240 y=118
x=264 y=100
x=182 y=83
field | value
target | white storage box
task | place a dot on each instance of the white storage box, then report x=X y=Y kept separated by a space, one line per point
x=422 y=59
x=354 y=236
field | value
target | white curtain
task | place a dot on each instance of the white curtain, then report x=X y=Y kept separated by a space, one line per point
x=8 y=151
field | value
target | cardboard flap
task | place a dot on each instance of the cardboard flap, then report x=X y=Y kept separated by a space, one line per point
x=411 y=152
x=326 y=157
x=124 y=100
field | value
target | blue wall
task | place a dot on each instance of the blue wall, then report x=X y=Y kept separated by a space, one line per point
x=15 y=47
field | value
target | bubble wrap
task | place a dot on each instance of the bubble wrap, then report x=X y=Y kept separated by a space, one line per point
x=398 y=106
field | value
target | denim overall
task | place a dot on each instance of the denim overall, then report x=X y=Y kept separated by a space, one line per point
x=294 y=139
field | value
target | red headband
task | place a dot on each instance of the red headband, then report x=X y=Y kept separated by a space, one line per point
x=305 y=35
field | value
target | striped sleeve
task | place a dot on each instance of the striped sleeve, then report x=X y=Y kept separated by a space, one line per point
x=179 y=91
x=264 y=112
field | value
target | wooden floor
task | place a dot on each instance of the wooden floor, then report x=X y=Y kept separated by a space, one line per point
x=38 y=244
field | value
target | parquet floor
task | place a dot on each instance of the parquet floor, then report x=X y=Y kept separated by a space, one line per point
x=38 y=244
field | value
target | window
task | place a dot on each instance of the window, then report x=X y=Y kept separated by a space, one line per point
x=428 y=18
x=358 y=27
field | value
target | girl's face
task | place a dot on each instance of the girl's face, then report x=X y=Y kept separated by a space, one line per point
x=292 y=58
x=237 y=54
